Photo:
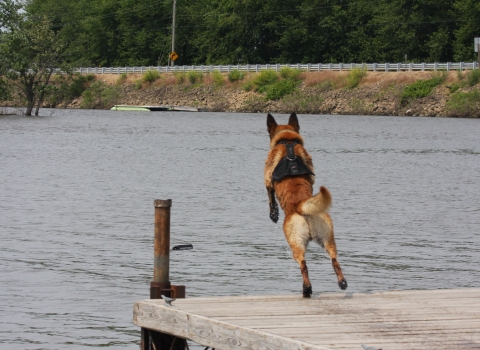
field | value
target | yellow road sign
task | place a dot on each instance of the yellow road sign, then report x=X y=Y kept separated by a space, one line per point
x=173 y=56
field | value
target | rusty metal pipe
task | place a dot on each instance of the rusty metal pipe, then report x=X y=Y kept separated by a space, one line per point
x=161 y=246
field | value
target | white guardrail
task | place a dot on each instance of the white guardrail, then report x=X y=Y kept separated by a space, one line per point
x=311 y=67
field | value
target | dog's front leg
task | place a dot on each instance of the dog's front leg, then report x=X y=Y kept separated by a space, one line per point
x=273 y=205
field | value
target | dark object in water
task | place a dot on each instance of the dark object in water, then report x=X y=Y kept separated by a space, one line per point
x=183 y=247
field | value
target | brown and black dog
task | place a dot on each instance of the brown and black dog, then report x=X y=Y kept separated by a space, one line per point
x=289 y=175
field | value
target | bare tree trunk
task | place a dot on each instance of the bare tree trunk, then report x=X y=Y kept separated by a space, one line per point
x=30 y=95
x=42 y=93
x=40 y=101
x=29 y=109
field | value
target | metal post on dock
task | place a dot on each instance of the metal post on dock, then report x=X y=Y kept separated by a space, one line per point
x=160 y=285
x=161 y=250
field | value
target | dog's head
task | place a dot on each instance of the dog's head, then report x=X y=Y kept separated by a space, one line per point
x=288 y=132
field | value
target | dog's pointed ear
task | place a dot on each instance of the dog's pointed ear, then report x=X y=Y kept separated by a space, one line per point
x=271 y=124
x=293 y=121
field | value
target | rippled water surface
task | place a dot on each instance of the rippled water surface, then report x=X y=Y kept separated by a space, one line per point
x=76 y=213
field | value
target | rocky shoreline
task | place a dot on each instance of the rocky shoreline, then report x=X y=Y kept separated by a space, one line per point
x=379 y=93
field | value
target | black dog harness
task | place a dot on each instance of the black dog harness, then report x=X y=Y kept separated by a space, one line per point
x=290 y=165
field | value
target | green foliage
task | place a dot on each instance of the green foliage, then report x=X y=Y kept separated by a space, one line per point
x=454 y=87
x=77 y=86
x=279 y=89
x=4 y=90
x=10 y=16
x=263 y=79
x=68 y=87
x=194 y=77
x=28 y=54
x=421 y=88
x=464 y=105
x=122 y=78
x=100 y=95
x=127 y=32
x=298 y=102
x=355 y=76
x=248 y=85
x=150 y=76
x=218 y=78
x=181 y=77
x=325 y=85
x=464 y=31
x=460 y=75
x=290 y=73
x=236 y=75
x=138 y=84
x=473 y=77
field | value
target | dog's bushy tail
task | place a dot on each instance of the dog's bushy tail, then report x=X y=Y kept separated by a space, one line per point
x=317 y=204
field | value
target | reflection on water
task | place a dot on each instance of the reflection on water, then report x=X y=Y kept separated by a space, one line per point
x=76 y=209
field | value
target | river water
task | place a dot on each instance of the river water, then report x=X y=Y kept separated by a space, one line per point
x=76 y=213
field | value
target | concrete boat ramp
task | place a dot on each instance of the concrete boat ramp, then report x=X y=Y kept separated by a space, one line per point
x=394 y=320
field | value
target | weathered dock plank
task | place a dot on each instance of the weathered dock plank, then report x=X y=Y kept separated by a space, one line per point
x=430 y=319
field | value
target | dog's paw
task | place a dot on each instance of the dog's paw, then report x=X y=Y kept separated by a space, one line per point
x=274 y=212
x=343 y=284
x=307 y=291
x=274 y=215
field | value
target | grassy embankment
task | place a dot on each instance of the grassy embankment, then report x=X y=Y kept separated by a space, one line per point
x=354 y=92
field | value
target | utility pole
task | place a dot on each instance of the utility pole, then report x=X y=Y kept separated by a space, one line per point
x=476 y=43
x=478 y=51
x=173 y=31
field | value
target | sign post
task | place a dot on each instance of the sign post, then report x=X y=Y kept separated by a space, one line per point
x=172 y=61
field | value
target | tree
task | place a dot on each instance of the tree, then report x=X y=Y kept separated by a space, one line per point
x=29 y=53
x=469 y=28
x=9 y=15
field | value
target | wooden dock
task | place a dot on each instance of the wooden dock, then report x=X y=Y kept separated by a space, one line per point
x=428 y=319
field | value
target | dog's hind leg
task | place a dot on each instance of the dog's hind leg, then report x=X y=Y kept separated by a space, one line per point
x=297 y=234
x=322 y=230
x=331 y=249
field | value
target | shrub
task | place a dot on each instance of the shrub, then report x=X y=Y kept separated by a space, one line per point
x=464 y=105
x=355 y=76
x=138 y=84
x=122 y=78
x=473 y=77
x=194 y=77
x=181 y=77
x=68 y=87
x=325 y=85
x=265 y=78
x=218 y=78
x=290 y=73
x=454 y=87
x=235 y=75
x=254 y=104
x=151 y=76
x=280 y=88
x=421 y=88
x=248 y=86
x=298 y=102
x=4 y=90
x=100 y=95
